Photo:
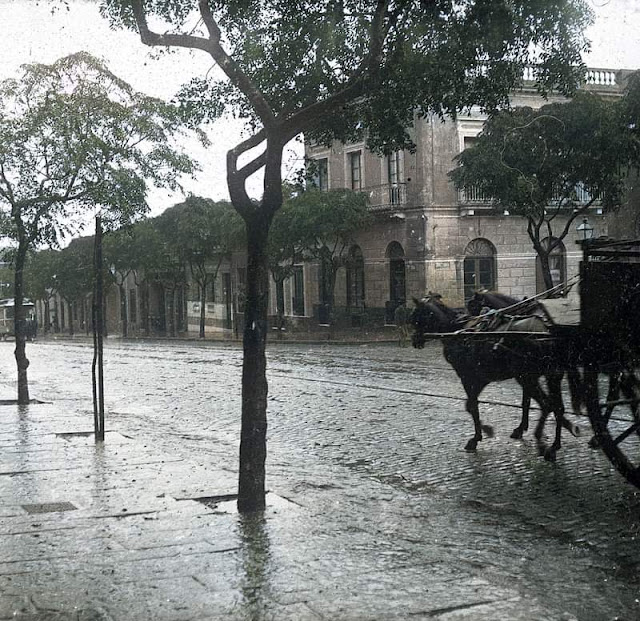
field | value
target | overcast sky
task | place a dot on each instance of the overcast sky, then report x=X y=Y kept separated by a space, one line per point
x=30 y=33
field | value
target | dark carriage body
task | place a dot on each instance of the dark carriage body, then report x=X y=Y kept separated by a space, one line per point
x=608 y=342
x=610 y=299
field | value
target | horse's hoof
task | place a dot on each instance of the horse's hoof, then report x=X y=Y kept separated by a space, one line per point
x=550 y=454
x=516 y=434
x=471 y=445
x=488 y=430
x=574 y=430
x=542 y=449
x=594 y=443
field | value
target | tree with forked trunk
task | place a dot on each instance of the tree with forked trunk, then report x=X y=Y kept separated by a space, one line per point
x=550 y=166
x=330 y=69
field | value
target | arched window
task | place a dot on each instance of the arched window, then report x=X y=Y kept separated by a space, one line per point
x=397 y=279
x=479 y=267
x=557 y=266
x=355 y=278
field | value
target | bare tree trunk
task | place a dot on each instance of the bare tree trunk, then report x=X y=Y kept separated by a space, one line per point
x=70 y=307
x=147 y=297
x=546 y=271
x=253 y=436
x=203 y=302
x=47 y=316
x=280 y=305
x=22 y=362
x=123 y=309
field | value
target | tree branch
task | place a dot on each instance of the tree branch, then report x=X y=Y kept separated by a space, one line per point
x=236 y=178
x=355 y=87
x=213 y=47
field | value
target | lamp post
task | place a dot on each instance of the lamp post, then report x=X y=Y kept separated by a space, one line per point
x=585 y=235
x=585 y=230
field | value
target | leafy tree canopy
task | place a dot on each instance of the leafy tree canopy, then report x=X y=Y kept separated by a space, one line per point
x=74 y=275
x=555 y=161
x=373 y=62
x=533 y=162
x=41 y=273
x=324 y=223
x=332 y=69
x=73 y=136
x=630 y=106
x=203 y=230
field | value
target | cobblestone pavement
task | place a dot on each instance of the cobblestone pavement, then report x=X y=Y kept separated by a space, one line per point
x=375 y=510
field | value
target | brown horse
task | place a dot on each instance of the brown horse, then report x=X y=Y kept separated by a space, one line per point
x=480 y=361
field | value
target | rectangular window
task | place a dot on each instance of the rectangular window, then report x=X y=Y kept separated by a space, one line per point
x=393 y=167
x=241 y=289
x=394 y=173
x=321 y=174
x=355 y=169
x=469 y=141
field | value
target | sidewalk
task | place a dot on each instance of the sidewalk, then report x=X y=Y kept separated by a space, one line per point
x=116 y=531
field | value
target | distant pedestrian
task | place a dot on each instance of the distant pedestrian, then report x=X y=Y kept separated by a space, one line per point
x=401 y=318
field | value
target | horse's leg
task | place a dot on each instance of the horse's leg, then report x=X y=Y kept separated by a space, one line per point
x=613 y=394
x=473 y=392
x=554 y=382
x=532 y=386
x=557 y=402
x=575 y=390
x=517 y=433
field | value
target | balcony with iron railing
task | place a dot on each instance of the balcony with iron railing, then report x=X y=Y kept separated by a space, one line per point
x=386 y=196
x=473 y=197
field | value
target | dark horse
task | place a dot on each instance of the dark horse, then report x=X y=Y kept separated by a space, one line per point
x=492 y=300
x=480 y=361
x=484 y=301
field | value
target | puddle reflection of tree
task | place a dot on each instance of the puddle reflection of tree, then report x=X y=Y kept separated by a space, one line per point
x=255 y=560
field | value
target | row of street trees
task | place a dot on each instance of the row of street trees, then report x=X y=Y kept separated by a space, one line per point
x=552 y=164
x=188 y=243
x=331 y=69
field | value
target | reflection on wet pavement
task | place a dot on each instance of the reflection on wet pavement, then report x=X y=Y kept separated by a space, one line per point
x=382 y=513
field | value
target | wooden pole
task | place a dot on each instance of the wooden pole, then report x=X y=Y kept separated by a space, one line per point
x=98 y=334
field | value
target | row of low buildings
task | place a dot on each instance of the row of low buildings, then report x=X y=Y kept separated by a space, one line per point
x=425 y=235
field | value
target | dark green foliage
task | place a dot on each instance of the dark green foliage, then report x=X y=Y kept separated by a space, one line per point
x=74 y=138
x=74 y=270
x=400 y=56
x=535 y=163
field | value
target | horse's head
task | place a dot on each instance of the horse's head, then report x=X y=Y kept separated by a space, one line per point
x=488 y=300
x=475 y=305
x=431 y=316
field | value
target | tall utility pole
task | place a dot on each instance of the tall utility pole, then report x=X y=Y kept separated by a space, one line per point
x=98 y=334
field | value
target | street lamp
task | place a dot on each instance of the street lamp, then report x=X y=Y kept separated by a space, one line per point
x=585 y=230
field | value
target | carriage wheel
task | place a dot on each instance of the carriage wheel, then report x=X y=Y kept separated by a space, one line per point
x=616 y=423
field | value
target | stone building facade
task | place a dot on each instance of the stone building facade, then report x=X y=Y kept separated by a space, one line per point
x=428 y=236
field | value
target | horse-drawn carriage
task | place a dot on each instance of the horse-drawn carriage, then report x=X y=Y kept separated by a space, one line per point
x=7 y=313
x=594 y=342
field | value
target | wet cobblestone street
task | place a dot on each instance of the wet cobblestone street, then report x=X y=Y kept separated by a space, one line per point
x=367 y=443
